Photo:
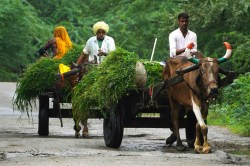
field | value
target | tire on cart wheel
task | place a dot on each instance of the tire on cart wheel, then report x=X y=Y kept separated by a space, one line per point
x=113 y=127
x=43 y=117
x=191 y=129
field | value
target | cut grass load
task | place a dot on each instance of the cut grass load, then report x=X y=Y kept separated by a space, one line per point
x=101 y=87
x=39 y=76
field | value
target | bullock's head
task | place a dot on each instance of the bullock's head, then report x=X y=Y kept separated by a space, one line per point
x=208 y=69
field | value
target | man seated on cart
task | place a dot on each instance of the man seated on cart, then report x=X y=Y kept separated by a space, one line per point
x=94 y=52
x=98 y=46
x=178 y=41
x=181 y=37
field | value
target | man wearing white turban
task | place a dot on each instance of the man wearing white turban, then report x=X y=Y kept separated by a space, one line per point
x=95 y=51
x=98 y=46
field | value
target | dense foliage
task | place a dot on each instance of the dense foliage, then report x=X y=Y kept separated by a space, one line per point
x=133 y=24
x=21 y=31
x=223 y=20
x=233 y=107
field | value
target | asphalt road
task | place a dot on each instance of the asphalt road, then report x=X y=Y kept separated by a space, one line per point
x=21 y=145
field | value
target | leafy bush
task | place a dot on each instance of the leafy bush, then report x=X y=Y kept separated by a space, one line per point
x=241 y=60
x=233 y=106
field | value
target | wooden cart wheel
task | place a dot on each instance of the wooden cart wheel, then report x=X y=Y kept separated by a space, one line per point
x=43 y=117
x=113 y=127
x=191 y=129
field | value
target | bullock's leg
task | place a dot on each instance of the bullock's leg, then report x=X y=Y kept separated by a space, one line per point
x=171 y=139
x=204 y=131
x=176 y=114
x=85 y=132
x=198 y=142
x=201 y=143
x=77 y=128
x=202 y=127
x=179 y=144
x=206 y=147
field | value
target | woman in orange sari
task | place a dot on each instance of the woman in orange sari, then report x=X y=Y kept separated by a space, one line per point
x=59 y=44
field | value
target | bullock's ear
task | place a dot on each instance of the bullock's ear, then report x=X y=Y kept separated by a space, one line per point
x=188 y=54
x=228 y=53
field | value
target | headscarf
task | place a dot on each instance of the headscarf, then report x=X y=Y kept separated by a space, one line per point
x=63 y=41
x=100 y=25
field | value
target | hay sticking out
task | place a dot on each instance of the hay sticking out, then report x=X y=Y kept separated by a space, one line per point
x=102 y=87
x=39 y=76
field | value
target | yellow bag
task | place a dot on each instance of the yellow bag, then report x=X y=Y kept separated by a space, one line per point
x=63 y=68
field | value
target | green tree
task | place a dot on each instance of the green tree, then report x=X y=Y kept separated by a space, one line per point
x=73 y=14
x=133 y=23
x=21 y=31
x=212 y=17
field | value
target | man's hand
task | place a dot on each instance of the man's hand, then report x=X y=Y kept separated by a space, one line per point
x=101 y=53
x=192 y=52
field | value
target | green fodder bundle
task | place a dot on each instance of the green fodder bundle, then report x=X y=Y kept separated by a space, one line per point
x=39 y=76
x=105 y=85
x=154 y=72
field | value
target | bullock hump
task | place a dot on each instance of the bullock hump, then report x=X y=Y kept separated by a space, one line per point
x=140 y=75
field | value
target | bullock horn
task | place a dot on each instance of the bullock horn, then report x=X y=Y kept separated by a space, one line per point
x=188 y=54
x=228 y=53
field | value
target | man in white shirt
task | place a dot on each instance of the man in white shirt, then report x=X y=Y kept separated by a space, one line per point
x=98 y=46
x=178 y=40
x=181 y=37
x=95 y=51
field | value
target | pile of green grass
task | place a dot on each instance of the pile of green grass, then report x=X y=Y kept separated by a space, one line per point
x=39 y=76
x=154 y=72
x=105 y=85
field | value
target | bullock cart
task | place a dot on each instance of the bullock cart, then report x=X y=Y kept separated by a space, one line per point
x=130 y=112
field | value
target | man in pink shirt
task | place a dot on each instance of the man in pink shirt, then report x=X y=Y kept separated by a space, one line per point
x=181 y=37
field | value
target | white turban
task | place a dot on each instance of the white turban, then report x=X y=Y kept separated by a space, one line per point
x=100 y=25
